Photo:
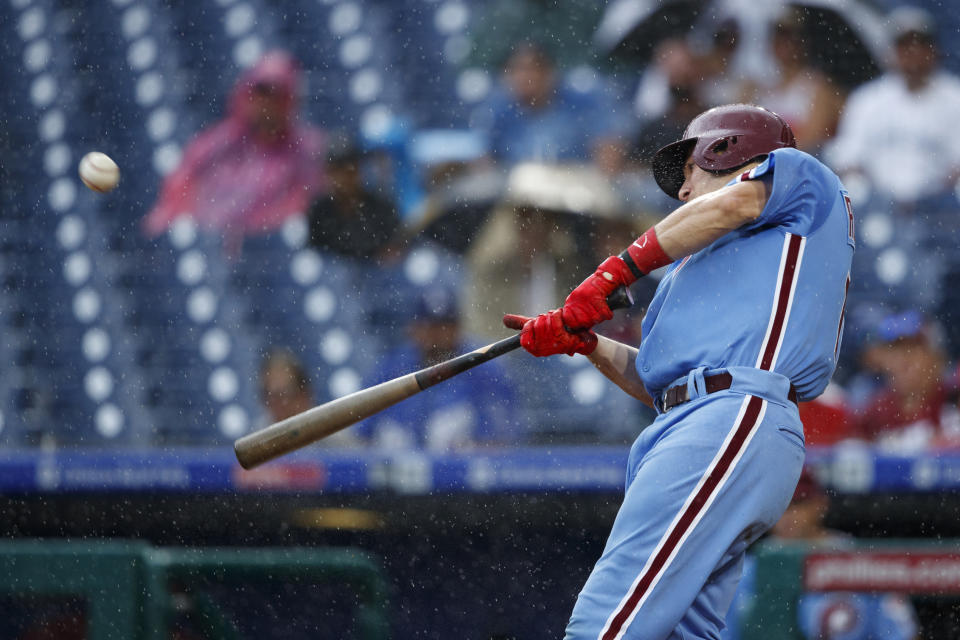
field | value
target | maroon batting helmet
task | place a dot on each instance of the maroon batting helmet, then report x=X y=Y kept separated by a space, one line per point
x=721 y=139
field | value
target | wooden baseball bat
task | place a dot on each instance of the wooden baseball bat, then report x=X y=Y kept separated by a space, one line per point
x=319 y=422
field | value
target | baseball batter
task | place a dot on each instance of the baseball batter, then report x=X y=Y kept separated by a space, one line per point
x=746 y=322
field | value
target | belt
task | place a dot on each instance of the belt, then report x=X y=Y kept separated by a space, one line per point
x=678 y=394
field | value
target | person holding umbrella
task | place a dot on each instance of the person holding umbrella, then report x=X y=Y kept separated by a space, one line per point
x=806 y=98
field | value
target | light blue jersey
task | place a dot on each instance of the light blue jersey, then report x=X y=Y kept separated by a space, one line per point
x=764 y=305
x=784 y=276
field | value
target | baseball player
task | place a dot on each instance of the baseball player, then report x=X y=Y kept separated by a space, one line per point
x=746 y=322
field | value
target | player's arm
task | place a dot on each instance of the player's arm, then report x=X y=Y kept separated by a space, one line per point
x=616 y=361
x=700 y=222
x=688 y=229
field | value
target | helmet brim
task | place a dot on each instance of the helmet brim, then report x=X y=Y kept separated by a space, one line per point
x=668 y=164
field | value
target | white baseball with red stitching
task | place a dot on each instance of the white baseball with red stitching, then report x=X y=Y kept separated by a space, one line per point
x=99 y=172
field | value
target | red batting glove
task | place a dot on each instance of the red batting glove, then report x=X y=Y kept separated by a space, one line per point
x=545 y=335
x=586 y=305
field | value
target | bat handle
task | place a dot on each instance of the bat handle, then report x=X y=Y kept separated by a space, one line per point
x=621 y=298
x=439 y=372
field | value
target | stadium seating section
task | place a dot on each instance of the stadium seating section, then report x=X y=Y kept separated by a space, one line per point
x=110 y=337
x=113 y=338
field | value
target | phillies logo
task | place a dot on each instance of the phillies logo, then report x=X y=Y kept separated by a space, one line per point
x=839 y=617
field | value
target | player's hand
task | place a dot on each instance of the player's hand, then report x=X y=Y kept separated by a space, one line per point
x=586 y=305
x=545 y=335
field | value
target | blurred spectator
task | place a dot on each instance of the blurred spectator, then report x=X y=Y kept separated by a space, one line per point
x=683 y=73
x=720 y=84
x=804 y=516
x=252 y=170
x=702 y=67
x=669 y=96
x=538 y=243
x=892 y=129
x=802 y=95
x=680 y=73
x=915 y=408
x=471 y=409
x=285 y=391
x=833 y=615
x=462 y=185
x=826 y=419
x=349 y=219
x=284 y=385
x=537 y=118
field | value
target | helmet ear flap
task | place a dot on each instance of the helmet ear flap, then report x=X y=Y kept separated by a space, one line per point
x=668 y=165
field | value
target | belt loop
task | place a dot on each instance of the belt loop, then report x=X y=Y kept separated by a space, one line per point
x=696 y=385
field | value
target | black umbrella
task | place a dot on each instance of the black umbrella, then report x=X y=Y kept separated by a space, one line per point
x=456 y=211
x=580 y=194
x=630 y=29
x=846 y=38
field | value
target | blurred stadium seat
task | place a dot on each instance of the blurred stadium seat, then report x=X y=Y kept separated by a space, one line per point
x=76 y=382
x=567 y=401
x=433 y=40
x=312 y=303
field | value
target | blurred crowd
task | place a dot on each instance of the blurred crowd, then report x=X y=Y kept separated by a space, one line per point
x=553 y=175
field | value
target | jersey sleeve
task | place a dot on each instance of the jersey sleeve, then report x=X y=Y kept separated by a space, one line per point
x=800 y=186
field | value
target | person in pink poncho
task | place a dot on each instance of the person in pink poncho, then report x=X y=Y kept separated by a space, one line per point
x=254 y=169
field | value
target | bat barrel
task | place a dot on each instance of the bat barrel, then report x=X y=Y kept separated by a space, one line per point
x=319 y=422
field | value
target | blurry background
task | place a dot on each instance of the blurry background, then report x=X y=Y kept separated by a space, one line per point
x=318 y=195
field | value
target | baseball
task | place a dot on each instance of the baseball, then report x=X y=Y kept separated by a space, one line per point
x=99 y=172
